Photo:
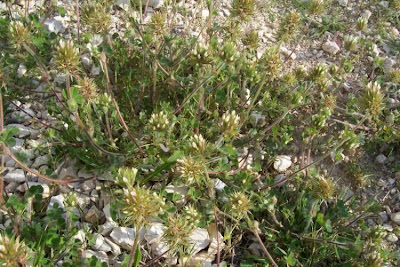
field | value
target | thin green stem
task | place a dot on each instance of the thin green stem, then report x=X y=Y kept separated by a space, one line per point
x=2 y=150
x=190 y=96
x=255 y=230
x=134 y=246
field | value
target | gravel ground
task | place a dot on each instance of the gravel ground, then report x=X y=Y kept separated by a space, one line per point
x=310 y=49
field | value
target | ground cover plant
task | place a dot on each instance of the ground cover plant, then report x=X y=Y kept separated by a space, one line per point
x=199 y=133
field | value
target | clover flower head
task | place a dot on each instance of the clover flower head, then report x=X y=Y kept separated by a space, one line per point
x=159 y=121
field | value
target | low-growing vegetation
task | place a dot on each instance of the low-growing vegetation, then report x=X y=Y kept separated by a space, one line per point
x=205 y=136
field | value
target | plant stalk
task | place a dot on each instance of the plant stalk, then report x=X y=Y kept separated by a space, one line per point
x=134 y=246
x=2 y=150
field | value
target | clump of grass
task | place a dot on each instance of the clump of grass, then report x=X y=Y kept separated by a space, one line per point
x=396 y=4
x=238 y=205
x=357 y=175
x=251 y=40
x=243 y=9
x=271 y=61
x=316 y=7
x=393 y=76
x=96 y=15
x=361 y=24
x=13 y=251
x=350 y=43
x=289 y=25
x=195 y=113
x=372 y=98
x=191 y=171
x=229 y=123
x=18 y=35
x=66 y=57
x=322 y=187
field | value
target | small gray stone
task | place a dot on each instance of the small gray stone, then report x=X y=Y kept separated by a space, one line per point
x=46 y=188
x=100 y=244
x=124 y=236
x=282 y=163
x=11 y=187
x=279 y=180
x=80 y=235
x=40 y=161
x=23 y=130
x=67 y=173
x=392 y=238
x=366 y=14
x=124 y=4
x=93 y=215
x=53 y=25
x=384 y=4
x=381 y=159
x=219 y=185
x=107 y=227
x=10 y=163
x=288 y=53
x=348 y=193
x=107 y=212
x=84 y=174
x=395 y=217
x=21 y=188
x=87 y=60
x=381 y=183
x=88 y=185
x=59 y=199
x=101 y=255
x=60 y=78
x=181 y=190
x=331 y=47
x=29 y=113
x=205 y=13
x=383 y=216
x=343 y=2
x=387 y=227
x=154 y=232
x=15 y=175
x=199 y=240
x=155 y=3
x=95 y=71
x=21 y=70
x=115 y=249
x=371 y=222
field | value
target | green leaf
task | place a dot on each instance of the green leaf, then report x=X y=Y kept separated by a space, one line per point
x=290 y=259
x=76 y=95
x=65 y=94
x=328 y=226
x=176 y=197
x=282 y=251
x=72 y=104
x=194 y=193
x=138 y=257
x=10 y=142
x=166 y=166
x=11 y=131
x=320 y=218
x=61 y=11
x=8 y=136
x=228 y=150
x=52 y=133
x=15 y=203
